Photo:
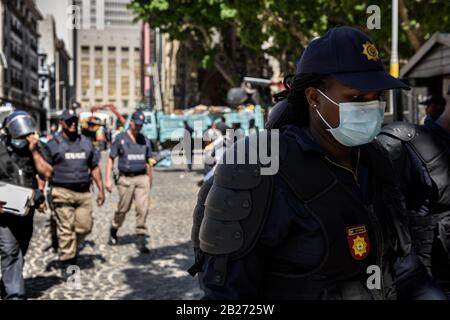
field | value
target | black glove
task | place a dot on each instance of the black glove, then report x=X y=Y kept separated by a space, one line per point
x=39 y=198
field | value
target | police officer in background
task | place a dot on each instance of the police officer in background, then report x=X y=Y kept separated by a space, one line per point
x=421 y=156
x=333 y=209
x=75 y=163
x=20 y=163
x=188 y=144
x=134 y=152
x=435 y=105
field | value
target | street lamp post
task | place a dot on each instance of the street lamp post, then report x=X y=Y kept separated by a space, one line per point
x=394 y=55
x=394 y=66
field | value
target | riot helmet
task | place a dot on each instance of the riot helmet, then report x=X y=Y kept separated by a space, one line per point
x=20 y=124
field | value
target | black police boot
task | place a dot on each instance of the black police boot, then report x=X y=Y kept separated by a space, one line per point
x=113 y=240
x=142 y=244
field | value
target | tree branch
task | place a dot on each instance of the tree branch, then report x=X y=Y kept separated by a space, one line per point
x=414 y=35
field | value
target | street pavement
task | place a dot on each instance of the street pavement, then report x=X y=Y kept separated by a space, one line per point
x=121 y=272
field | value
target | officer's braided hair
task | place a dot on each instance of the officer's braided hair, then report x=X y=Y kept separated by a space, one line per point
x=297 y=111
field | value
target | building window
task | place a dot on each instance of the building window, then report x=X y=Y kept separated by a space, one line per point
x=85 y=71
x=137 y=73
x=112 y=72
x=125 y=72
x=98 y=74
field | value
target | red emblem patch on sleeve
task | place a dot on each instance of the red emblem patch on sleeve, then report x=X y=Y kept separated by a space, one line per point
x=358 y=241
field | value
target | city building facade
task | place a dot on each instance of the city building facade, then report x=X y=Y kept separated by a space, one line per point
x=19 y=55
x=109 y=55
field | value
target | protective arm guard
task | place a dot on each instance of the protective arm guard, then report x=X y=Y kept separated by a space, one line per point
x=231 y=211
x=236 y=205
x=392 y=137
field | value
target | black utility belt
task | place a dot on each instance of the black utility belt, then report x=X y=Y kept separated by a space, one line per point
x=81 y=188
x=133 y=174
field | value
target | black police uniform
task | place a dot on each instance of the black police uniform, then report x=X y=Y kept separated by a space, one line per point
x=421 y=155
x=292 y=235
x=70 y=170
x=315 y=228
x=16 y=167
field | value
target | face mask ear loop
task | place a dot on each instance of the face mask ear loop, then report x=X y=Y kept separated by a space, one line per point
x=318 y=110
x=323 y=118
x=327 y=97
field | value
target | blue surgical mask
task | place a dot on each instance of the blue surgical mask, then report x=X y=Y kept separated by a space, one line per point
x=19 y=143
x=359 y=122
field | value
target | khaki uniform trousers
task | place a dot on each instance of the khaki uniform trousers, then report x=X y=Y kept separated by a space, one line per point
x=74 y=221
x=137 y=188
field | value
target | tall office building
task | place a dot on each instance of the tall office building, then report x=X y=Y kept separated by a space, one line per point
x=61 y=11
x=108 y=54
x=19 y=57
x=54 y=75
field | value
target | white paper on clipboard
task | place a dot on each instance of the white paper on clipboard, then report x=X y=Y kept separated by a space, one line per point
x=15 y=199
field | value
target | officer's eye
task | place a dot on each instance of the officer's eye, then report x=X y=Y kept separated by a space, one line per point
x=357 y=98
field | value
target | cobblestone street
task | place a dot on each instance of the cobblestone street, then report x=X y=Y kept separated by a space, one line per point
x=120 y=272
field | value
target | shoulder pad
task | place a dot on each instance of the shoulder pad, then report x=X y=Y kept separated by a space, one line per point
x=428 y=146
x=220 y=230
x=401 y=130
x=236 y=205
x=394 y=147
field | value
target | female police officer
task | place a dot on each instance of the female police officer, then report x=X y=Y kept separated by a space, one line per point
x=328 y=224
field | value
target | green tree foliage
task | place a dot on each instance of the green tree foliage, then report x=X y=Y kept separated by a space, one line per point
x=284 y=28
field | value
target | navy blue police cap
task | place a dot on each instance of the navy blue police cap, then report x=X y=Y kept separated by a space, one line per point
x=67 y=115
x=351 y=57
x=138 y=117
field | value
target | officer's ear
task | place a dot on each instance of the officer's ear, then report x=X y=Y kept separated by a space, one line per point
x=312 y=96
